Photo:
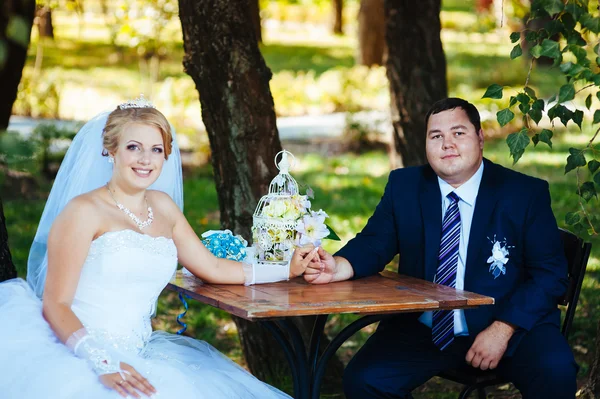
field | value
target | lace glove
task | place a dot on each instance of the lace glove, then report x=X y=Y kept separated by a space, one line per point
x=260 y=273
x=103 y=360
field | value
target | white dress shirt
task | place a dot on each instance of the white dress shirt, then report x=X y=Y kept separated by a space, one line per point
x=467 y=194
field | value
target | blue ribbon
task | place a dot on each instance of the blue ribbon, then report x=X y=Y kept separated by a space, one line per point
x=180 y=316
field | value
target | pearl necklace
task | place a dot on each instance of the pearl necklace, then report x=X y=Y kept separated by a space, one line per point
x=141 y=225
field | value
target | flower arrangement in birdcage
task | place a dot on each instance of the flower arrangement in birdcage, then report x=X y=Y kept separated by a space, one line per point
x=284 y=220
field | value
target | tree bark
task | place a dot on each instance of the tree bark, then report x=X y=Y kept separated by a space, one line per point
x=223 y=59
x=371 y=33
x=416 y=70
x=591 y=390
x=338 y=17
x=255 y=14
x=7 y=268
x=43 y=18
x=10 y=75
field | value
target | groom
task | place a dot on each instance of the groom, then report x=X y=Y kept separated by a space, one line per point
x=465 y=222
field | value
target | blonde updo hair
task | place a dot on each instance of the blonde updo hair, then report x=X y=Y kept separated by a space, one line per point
x=119 y=119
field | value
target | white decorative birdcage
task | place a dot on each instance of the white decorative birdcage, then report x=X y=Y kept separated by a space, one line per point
x=277 y=213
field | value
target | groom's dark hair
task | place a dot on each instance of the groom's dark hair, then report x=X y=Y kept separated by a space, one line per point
x=452 y=103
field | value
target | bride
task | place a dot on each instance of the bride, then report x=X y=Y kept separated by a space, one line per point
x=105 y=248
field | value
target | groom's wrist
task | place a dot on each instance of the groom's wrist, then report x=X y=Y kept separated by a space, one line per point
x=343 y=269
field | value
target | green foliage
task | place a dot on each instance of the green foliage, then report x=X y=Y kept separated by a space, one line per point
x=494 y=91
x=517 y=142
x=39 y=96
x=18 y=30
x=568 y=34
x=16 y=152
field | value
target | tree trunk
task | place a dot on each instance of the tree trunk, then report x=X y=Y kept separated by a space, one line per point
x=223 y=59
x=416 y=69
x=7 y=268
x=591 y=390
x=371 y=33
x=10 y=74
x=255 y=15
x=338 y=17
x=43 y=17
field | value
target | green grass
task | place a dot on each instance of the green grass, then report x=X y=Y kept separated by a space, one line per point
x=348 y=187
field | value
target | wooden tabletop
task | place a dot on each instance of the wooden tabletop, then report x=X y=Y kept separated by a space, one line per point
x=387 y=292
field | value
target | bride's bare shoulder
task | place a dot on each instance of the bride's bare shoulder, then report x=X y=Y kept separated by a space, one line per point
x=161 y=199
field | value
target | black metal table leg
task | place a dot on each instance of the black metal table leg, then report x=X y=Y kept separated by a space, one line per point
x=304 y=373
x=299 y=374
x=319 y=371
x=315 y=342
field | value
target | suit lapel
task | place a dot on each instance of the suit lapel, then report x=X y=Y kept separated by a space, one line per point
x=431 y=212
x=487 y=197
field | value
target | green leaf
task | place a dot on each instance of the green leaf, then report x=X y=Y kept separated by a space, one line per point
x=566 y=93
x=587 y=191
x=575 y=10
x=588 y=101
x=568 y=68
x=593 y=166
x=516 y=52
x=530 y=92
x=597 y=178
x=524 y=108
x=523 y=98
x=580 y=53
x=576 y=159
x=531 y=36
x=568 y=23
x=590 y=22
x=18 y=30
x=504 y=116
x=562 y=112
x=538 y=105
x=575 y=37
x=553 y=6
x=598 y=94
x=513 y=101
x=535 y=114
x=536 y=51
x=550 y=48
x=546 y=137
x=524 y=102
x=517 y=142
x=578 y=118
x=596 y=117
x=515 y=36
x=332 y=234
x=494 y=91
x=571 y=218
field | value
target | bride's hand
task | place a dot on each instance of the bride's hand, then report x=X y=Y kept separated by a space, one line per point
x=128 y=382
x=301 y=259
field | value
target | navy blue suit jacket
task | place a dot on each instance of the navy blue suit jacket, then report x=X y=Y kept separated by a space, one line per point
x=510 y=206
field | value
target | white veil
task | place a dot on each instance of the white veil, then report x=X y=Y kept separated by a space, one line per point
x=84 y=169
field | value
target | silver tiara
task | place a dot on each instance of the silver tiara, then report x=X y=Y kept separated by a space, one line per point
x=139 y=102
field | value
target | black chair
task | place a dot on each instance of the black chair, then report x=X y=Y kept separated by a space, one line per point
x=577 y=252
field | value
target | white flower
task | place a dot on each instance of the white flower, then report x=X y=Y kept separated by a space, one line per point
x=498 y=259
x=275 y=209
x=312 y=228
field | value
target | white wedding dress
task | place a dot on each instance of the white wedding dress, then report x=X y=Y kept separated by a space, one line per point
x=121 y=279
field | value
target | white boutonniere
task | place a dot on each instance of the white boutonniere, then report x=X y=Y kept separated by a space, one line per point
x=499 y=257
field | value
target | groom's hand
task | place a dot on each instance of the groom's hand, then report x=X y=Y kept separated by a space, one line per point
x=490 y=345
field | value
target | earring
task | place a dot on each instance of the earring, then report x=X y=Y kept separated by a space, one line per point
x=111 y=159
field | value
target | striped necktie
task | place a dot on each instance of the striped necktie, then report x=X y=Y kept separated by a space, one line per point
x=442 y=326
